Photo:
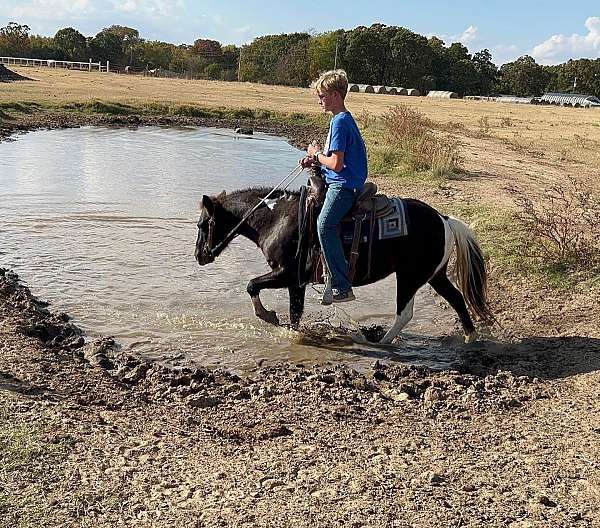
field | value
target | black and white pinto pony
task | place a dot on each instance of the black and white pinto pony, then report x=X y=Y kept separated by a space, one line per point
x=418 y=258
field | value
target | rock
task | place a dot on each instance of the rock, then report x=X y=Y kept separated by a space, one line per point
x=433 y=394
x=395 y=395
x=204 y=402
x=244 y=130
x=545 y=501
x=270 y=483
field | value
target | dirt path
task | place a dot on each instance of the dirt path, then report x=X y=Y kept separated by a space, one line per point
x=92 y=438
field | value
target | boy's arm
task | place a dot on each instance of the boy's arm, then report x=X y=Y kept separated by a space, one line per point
x=337 y=146
x=335 y=161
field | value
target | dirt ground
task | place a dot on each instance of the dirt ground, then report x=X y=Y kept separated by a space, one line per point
x=510 y=437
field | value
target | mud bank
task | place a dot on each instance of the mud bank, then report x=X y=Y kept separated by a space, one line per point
x=93 y=436
x=299 y=135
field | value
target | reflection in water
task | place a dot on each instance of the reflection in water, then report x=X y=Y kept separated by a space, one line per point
x=102 y=222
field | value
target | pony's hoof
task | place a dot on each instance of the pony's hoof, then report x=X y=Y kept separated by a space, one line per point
x=271 y=318
x=471 y=338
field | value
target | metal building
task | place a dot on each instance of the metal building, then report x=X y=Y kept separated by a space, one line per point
x=575 y=100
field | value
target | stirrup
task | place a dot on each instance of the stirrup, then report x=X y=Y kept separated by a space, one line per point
x=327 y=297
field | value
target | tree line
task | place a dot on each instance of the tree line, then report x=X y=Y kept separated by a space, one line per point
x=378 y=55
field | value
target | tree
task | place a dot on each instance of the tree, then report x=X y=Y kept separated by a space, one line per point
x=321 y=53
x=156 y=54
x=210 y=49
x=267 y=58
x=71 y=43
x=367 y=55
x=412 y=59
x=14 y=40
x=107 y=46
x=487 y=72
x=523 y=77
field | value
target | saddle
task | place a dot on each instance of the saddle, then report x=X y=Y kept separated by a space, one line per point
x=368 y=207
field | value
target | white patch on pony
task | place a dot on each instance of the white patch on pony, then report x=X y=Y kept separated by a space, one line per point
x=401 y=321
x=270 y=202
x=448 y=247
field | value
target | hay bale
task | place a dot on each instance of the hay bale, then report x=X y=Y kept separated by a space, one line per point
x=365 y=88
x=413 y=92
x=392 y=90
x=353 y=88
x=380 y=89
x=442 y=94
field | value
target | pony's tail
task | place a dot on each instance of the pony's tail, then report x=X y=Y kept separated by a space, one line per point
x=471 y=273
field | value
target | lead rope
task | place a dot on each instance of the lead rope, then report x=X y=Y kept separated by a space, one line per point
x=291 y=177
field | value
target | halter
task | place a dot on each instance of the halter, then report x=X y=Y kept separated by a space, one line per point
x=214 y=252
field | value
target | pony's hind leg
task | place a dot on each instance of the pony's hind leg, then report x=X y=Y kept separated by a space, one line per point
x=401 y=321
x=405 y=300
x=442 y=285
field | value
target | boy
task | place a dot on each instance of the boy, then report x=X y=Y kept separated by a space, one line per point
x=344 y=163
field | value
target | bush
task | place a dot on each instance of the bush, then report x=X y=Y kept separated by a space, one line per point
x=410 y=131
x=563 y=227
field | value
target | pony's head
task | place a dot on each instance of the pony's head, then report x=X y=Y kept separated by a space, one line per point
x=210 y=230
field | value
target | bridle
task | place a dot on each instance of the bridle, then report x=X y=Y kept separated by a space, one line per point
x=211 y=252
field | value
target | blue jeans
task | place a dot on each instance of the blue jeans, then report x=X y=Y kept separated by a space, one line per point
x=338 y=201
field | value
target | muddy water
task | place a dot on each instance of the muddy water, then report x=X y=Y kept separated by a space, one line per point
x=101 y=222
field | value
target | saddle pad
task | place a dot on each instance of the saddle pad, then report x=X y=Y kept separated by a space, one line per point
x=394 y=224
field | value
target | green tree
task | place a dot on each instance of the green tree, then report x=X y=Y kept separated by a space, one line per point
x=367 y=55
x=14 y=40
x=321 y=53
x=413 y=59
x=487 y=72
x=107 y=46
x=155 y=54
x=266 y=58
x=71 y=43
x=523 y=77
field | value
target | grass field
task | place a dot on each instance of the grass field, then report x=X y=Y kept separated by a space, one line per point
x=555 y=132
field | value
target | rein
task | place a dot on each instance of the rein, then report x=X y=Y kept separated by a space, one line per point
x=234 y=232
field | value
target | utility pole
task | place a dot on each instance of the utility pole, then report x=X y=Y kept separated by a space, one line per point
x=336 y=54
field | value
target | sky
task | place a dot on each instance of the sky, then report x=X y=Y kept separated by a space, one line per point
x=550 y=31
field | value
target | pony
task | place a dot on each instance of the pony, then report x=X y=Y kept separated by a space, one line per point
x=417 y=258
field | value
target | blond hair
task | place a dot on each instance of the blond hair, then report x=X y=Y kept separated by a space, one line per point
x=332 y=81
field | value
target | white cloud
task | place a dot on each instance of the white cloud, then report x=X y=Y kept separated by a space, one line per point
x=469 y=36
x=52 y=9
x=502 y=53
x=559 y=48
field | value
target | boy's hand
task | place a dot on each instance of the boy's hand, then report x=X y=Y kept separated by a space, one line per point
x=306 y=162
x=313 y=148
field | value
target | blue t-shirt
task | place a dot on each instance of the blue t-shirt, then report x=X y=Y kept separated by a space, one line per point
x=344 y=136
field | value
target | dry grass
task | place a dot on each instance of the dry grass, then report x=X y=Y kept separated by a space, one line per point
x=409 y=131
x=552 y=129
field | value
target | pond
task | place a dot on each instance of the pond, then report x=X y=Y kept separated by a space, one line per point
x=102 y=223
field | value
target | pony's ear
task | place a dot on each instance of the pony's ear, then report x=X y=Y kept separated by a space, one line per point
x=207 y=203
x=222 y=195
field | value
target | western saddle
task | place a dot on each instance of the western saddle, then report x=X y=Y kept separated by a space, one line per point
x=368 y=206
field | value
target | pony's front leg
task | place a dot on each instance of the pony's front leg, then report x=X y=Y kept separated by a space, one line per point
x=274 y=279
x=296 y=305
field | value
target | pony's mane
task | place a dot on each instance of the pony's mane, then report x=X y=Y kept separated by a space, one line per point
x=239 y=200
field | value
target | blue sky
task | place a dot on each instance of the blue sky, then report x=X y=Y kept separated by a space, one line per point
x=551 y=31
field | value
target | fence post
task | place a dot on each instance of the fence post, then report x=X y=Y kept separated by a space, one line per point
x=107 y=66
x=90 y=65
